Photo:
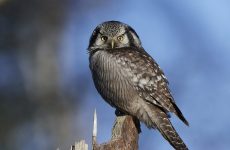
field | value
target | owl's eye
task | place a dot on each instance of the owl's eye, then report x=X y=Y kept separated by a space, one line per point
x=104 y=38
x=120 y=38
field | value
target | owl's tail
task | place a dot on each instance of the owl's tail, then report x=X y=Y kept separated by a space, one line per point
x=160 y=120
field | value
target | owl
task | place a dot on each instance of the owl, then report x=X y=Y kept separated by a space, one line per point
x=130 y=80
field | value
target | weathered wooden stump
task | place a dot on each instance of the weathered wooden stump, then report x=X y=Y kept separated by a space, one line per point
x=125 y=135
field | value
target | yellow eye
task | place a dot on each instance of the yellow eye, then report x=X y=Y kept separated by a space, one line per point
x=104 y=38
x=120 y=38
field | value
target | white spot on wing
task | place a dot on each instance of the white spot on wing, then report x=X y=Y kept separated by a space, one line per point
x=164 y=76
x=135 y=79
x=159 y=78
x=143 y=81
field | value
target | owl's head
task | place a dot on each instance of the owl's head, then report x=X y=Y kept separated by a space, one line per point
x=113 y=34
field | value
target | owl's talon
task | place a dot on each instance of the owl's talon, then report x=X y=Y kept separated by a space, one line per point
x=119 y=113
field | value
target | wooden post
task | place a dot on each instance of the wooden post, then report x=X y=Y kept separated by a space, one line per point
x=125 y=134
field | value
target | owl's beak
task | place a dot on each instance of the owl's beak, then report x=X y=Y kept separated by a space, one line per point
x=112 y=44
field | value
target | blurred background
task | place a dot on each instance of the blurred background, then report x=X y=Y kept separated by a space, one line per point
x=47 y=96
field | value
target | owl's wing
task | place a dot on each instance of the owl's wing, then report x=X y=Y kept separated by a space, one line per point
x=151 y=82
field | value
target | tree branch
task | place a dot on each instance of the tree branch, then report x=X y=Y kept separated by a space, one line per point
x=125 y=134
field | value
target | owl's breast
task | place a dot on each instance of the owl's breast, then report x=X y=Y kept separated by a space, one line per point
x=112 y=79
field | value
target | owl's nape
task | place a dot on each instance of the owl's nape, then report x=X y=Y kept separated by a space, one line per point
x=130 y=80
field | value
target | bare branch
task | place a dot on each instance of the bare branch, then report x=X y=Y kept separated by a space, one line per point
x=94 y=139
x=124 y=135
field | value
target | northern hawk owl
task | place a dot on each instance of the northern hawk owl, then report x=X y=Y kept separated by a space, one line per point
x=130 y=80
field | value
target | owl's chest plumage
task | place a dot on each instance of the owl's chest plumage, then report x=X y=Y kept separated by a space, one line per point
x=113 y=78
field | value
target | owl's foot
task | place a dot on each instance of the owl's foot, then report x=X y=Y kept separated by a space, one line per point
x=119 y=113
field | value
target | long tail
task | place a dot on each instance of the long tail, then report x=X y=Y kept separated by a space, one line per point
x=160 y=120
